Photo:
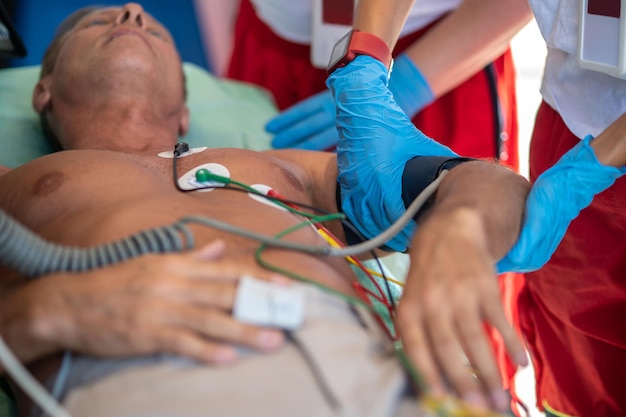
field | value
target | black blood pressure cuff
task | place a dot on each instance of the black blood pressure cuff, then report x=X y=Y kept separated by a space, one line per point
x=418 y=173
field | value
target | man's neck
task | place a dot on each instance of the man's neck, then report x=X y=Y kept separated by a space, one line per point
x=124 y=128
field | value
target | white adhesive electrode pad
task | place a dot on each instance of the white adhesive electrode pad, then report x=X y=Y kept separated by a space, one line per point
x=170 y=154
x=602 y=36
x=269 y=304
x=188 y=180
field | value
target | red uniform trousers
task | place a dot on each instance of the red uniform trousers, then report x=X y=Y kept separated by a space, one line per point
x=573 y=310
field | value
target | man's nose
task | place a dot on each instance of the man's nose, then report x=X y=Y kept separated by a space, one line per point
x=131 y=14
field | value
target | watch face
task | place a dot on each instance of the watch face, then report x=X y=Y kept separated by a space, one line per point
x=339 y=50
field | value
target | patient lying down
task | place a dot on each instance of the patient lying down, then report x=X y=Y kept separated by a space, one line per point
x=155 y=335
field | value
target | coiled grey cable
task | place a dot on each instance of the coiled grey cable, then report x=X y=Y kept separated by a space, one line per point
x=31 y=256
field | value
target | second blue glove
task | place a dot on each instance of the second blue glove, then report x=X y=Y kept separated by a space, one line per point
x=556 y=198
x=310 y=124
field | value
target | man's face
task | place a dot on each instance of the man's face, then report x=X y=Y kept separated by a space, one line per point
x=118 y=52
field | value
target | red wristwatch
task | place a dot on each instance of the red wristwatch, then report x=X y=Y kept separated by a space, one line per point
x=356 y=43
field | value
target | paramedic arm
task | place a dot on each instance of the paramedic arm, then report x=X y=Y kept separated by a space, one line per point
x=466 y=40
x=384 y=19
x=167 y=303
x=610 y=145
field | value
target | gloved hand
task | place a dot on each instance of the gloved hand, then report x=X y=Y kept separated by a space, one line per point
x=310 y=124
x=377 y=139
x=556 y=198
x=409 y=87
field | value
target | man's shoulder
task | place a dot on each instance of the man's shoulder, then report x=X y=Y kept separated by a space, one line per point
x=64 y=159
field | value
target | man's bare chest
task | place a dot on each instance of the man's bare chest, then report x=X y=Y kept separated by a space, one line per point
x=97 y=183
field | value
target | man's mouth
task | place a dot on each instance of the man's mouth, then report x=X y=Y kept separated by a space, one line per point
x=124 y=32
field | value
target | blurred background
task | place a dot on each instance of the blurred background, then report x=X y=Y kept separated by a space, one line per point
x=36 y=21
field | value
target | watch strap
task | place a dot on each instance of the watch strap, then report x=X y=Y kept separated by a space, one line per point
x=364 y=43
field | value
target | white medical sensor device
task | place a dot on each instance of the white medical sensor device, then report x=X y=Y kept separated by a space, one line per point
x=602 y=36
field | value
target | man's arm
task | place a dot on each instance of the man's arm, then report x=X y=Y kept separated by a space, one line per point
x=451 y=287
x=166 y=303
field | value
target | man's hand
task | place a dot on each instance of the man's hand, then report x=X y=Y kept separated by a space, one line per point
x=444 y=305
x=173 y=303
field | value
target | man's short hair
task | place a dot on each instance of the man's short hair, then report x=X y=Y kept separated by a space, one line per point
x=50 y=58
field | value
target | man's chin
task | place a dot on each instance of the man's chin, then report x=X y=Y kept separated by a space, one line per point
x=127 y=65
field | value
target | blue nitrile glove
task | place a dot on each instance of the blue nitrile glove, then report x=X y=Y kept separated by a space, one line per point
x=376 y=140
x=555 y=199
x=310 y=124
x=409 y=87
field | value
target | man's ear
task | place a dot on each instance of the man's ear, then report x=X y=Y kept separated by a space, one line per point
x=183 y=127
x=42 y=99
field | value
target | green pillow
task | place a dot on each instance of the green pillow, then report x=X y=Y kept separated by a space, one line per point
x=223 y=114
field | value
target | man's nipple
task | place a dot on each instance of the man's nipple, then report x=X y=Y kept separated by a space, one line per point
x=48 y=183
